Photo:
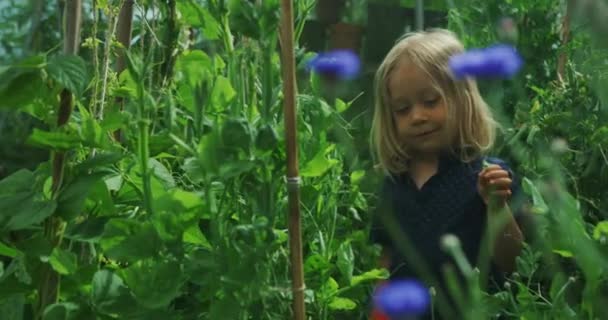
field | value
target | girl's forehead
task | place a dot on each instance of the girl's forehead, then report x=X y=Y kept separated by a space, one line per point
x=408 y=80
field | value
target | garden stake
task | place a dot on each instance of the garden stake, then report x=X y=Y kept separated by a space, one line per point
x=124 y=30
x=293 y=179
x=48 y=290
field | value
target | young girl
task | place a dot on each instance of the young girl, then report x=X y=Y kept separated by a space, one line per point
x=429 y=135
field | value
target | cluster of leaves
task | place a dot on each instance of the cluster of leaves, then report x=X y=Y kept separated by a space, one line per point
x=206 y=236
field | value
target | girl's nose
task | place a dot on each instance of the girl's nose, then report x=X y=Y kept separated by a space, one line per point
x=418 y=113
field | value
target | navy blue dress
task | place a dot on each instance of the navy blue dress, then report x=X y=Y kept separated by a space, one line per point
x=447 y=203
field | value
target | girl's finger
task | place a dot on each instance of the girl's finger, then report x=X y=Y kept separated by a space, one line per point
x=501 y=183
x=499 y=173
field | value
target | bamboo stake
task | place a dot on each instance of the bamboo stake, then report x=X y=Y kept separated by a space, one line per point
x=124 y=30
x=293 y=179
x=48 y=290
x=562 y=58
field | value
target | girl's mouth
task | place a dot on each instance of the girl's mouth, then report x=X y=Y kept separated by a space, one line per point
x=427 y=133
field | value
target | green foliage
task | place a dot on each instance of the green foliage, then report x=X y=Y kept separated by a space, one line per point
x=186 y=216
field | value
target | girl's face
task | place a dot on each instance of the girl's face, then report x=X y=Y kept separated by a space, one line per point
x=419 y=111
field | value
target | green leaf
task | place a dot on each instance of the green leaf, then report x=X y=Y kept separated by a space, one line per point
x=110 y=296
x=372 y=275
x=62 y=311
x=54 y=140
x=62 y=261
x=211 y=28
x=22 y=203
x=356 y=176
x=8 y=251
x=316 y=263
x=20 y=88
x=161 y=172
x=194 y=235
x=130 y=240
x=341 y=106
x=69 y=71
x=99 y=160
x=346 y=260
x=21 y=83
x=12 y=307
x=177 y=200
x=197 y=16
x=89 y=230
x=318 y=165
x=328 y=289
x=563 y=253
x=601 y=229
x=222 y=93
x=154 y=284
x=91 y=133
x=539 y=205
x=72 y=199
x=339 y=303
x=194 y=67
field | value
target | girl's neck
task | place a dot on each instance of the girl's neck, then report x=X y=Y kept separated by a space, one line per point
x=422 y=168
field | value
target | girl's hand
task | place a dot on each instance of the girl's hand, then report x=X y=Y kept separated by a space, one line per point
x=494 y=184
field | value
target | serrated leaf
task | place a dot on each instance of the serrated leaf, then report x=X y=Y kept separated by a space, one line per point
x=63 y=261
x=69 y=71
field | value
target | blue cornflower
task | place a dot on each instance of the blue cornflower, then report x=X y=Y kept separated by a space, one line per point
x=399 y=298
x=501 y=61
x=343 y=64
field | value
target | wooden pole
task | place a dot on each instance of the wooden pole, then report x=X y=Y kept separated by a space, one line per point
x=419 y=15
x=293 y=179
x=48 y=290
x=124 y=30
x=562 y=58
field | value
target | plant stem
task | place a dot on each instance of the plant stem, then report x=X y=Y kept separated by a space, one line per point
x=143 y=147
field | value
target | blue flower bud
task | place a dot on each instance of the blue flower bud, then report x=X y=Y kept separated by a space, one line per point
x=499 y=61
x=343 y=64
x=400 y=298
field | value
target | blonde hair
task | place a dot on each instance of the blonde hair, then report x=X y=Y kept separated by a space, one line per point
x=469 y=120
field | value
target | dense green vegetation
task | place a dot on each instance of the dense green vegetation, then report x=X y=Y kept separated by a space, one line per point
x=142 y=170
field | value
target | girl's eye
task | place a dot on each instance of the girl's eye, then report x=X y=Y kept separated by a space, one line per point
x=402 y=109
x=431 y=102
